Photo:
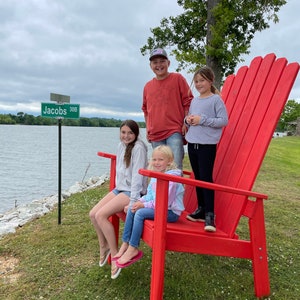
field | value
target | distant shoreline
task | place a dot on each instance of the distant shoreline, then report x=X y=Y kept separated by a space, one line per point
x=28 y=119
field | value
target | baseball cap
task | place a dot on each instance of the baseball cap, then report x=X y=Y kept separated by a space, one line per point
x=158 y=52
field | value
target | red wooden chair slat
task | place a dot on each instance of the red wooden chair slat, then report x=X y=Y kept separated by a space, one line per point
x=254 y=98
x=242 y=143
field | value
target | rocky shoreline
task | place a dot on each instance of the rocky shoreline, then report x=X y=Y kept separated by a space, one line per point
x=17 y=217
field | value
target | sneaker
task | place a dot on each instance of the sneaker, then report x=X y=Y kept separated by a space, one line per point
x=210 y=222
x=197 y=216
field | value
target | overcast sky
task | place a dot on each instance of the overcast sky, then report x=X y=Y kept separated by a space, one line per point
x=90 y=50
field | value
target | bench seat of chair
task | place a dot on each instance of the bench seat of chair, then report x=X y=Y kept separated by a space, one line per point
x=186 y=236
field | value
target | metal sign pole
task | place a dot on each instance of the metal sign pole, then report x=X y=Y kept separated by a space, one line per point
x=60 y=110
x=59 y=171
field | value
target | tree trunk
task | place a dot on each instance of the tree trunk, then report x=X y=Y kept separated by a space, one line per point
x=212 y=61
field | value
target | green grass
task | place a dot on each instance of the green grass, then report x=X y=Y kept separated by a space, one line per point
x=61 y=261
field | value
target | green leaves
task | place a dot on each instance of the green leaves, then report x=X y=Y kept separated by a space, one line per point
x=213 y=32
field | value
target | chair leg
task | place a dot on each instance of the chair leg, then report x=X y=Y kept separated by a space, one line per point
x=159 y=241
x=157 y=273
x=259 y=248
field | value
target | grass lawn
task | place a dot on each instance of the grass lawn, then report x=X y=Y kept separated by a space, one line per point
x=44 y=260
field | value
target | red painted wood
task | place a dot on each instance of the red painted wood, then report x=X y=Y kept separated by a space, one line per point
x=254 y=98
x=113 y=162
x=159 y=236
x=242 y=120
x=259 y=249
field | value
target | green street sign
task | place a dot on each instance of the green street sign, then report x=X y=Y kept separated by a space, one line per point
x=63 y=111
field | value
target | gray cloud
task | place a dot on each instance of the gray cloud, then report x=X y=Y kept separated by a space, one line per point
x=90 y=50
x=282 y=39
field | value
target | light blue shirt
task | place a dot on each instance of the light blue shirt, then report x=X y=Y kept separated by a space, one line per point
x=176 y=191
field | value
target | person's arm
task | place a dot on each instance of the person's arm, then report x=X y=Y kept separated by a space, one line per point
x=145 y=111
x=186 y=94
x=149 y=199
x=146 y=122
x=149 y=204
x=172 y=193
x=219 y=120
x=139 y=161
x=186 y=98
x=176 y=198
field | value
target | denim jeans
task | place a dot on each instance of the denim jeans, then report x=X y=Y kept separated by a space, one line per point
x=175 y=142
x=134 y=224
x=116 y=192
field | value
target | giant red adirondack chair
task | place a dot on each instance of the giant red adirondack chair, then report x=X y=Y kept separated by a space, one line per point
x=255 y=98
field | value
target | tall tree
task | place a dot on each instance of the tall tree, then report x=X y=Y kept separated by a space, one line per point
x=213 y=32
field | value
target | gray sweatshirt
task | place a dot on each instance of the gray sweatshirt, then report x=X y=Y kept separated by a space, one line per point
x=129 y=179
x=214 y=117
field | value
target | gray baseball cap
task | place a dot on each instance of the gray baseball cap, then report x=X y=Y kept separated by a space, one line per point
x=158 y=52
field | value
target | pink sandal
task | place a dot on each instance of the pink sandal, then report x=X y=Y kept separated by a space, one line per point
x=131 y=261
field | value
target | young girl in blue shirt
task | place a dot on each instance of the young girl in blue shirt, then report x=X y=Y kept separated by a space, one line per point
x=162 y=161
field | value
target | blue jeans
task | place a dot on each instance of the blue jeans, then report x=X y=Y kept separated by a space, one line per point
x=116 y=192
x=134 y=224
x=175 y=142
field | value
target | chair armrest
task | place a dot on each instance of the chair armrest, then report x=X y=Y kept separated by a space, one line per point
x=106 y=155
x=199 y=183
x=113 y=163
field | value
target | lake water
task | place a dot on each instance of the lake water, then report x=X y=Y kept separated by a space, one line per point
x=29 y=159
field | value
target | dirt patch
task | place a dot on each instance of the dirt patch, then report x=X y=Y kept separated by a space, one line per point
x=8 y=273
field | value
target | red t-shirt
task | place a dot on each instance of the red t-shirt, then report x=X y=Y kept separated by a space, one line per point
x=164 y=105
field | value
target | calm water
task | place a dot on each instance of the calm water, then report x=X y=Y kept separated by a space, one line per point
x=29 y=159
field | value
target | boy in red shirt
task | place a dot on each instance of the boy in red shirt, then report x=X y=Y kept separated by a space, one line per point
x=166 y=101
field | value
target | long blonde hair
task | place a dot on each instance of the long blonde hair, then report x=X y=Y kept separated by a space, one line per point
x=168 y=153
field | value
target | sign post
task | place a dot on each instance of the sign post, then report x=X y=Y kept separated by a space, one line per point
x=59 y=171
x=60 y=110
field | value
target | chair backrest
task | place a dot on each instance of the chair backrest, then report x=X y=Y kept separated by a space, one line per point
x=254 y=98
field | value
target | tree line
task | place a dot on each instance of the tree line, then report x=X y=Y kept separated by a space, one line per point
x=28 y=119
x=289 y=115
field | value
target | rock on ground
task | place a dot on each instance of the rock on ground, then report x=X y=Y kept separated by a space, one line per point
x=22 y=214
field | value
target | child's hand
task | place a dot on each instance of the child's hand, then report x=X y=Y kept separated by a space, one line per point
x=188 y=119
x=137 y=205
x=126 y=209
x=194 y=120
